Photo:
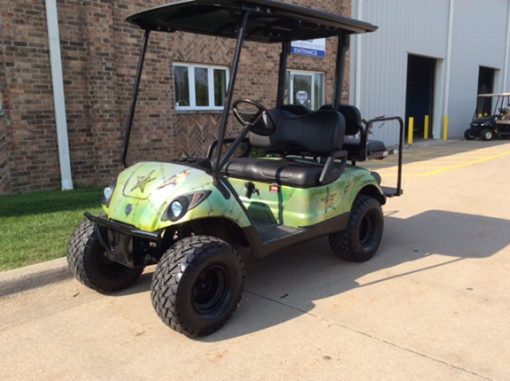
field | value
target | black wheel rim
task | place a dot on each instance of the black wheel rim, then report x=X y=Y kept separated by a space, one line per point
x=211 y=291
x=367 y=230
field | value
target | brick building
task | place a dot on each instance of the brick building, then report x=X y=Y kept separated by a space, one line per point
x=99 y=56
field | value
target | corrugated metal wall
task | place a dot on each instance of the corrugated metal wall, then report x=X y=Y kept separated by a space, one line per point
x=479 y=39
x=421 y=27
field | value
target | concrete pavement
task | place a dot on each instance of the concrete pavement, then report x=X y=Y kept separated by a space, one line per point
x=33 y=276
x=433 y=303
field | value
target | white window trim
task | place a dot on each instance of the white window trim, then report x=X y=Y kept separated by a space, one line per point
x=191 y=86
x=309 y=73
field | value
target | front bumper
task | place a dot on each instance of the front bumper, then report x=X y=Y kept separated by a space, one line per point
x=123 y=243
x=123 y=228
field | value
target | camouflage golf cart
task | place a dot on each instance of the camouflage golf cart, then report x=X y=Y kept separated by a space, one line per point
x=289 y=176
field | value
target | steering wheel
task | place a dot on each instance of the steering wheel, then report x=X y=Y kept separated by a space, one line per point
x=262 y=123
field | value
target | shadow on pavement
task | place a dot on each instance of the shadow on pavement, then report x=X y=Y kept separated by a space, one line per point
x=294 y=279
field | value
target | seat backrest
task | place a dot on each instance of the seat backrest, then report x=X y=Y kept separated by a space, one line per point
x=318 y=133
x=296 y=109
x=352 y=118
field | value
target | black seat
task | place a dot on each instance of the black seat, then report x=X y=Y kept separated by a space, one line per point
x=280 y=171
x=319 y=133
x=352 y=145
x=375 y=149
x=296 y=109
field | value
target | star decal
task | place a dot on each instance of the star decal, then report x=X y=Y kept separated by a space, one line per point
x=329 y=200
x=142 y=181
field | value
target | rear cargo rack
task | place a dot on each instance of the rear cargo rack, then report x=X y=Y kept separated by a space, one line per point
x=390 y=191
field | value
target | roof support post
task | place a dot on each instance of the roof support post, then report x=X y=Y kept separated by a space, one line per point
x=136 y=88
x=230 y=93
x=282 y=73
x=343 y=47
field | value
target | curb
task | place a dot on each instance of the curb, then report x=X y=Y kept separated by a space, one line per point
x=29 y=277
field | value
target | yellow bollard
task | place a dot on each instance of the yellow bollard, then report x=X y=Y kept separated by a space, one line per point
x=426 y=128
x=445 y=128
x=411 y=131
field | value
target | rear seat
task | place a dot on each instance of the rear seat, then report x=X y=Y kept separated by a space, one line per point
x=375 y=149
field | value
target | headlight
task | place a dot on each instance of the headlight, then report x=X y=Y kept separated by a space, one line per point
x=108 y=193
x=181 y=205
x=176 y=208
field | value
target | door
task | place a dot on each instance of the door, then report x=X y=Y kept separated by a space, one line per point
x=305 y=88
x=485 y=86
x=301 y=89
x=420 y=91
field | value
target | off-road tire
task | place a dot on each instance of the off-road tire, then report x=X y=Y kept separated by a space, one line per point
x=468 y=135
x=487 y=134
x=360 y=241
x=87 y=261
x=196 y=270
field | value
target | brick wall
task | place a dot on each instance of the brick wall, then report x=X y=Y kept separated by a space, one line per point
x=4 y=161
x=4 y=164
x=100 y=55
x=27 y=93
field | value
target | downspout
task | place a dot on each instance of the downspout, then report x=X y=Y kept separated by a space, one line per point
x=58 y=95
x=506 y=68
x=448 y=68
x=358 y=48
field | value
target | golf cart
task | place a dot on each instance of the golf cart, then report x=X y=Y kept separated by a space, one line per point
x=497 y=124
x=288 y=177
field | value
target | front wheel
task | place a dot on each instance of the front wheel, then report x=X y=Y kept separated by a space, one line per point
x=89 y=264
x=197 y=285
x=487 y=134
x=468 y=135
x=360 y=241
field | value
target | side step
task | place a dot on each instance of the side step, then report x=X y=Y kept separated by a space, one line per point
x=270 y=231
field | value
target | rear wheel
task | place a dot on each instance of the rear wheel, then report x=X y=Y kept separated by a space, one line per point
x=89 y=264
x=487 y=134
x=360 y=241
x=468 y=135
x=197 y=285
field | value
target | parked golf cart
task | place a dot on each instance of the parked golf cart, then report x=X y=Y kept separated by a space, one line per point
x=495 y=125
x=194 y=217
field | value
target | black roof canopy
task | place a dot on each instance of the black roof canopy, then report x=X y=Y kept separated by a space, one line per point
x=270 y=21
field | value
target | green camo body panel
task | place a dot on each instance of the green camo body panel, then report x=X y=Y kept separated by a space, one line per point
x=144 y=191
x=150 y=187
x=302 y=207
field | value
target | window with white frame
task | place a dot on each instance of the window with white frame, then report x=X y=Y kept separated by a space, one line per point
x=305 y=87
x=200 y=87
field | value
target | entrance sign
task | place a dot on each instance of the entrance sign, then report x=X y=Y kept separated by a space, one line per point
x=310 y=48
